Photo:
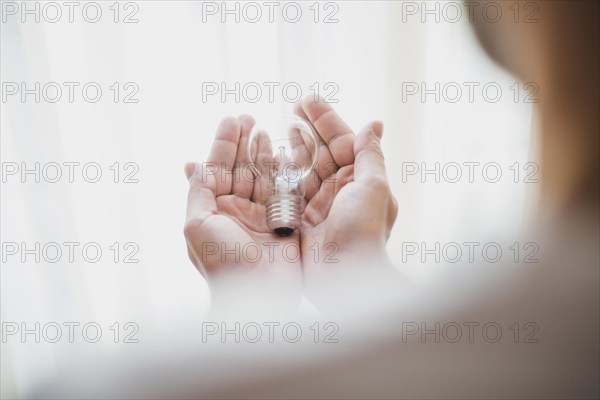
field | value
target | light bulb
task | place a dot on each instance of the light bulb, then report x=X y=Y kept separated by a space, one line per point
x=283 y=153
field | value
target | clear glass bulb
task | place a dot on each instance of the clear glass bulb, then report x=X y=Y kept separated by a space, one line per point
x=283 y=152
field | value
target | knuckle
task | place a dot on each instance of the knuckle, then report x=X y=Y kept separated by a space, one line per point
x=309 y=99
x=375 y=149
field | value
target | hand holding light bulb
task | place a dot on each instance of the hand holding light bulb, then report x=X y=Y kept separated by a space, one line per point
x=315 y=184
x=350 y=209
x=226 y=227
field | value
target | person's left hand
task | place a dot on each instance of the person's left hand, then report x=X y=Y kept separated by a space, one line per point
x=350 y=212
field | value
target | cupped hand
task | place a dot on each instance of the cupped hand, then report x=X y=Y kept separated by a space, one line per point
x=244 y=263
x=350 y=210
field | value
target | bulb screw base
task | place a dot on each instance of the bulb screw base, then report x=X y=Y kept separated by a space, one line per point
x=284 y=213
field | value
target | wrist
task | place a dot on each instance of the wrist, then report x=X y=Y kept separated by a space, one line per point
x=253 y=292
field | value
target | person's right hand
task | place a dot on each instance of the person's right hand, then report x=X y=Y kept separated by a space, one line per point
x=350 y=210
x=228 y=240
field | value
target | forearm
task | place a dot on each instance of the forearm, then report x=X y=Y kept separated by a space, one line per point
x=251 y=293
x=359 y=280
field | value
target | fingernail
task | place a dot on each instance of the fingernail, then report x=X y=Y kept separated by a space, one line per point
x=378 y=129
x=189 y=169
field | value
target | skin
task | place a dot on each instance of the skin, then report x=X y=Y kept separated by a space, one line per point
x=342 y=219
x=224 y=211
x=351 y=167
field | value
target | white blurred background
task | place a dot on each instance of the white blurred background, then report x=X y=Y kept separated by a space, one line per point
x=169 y=53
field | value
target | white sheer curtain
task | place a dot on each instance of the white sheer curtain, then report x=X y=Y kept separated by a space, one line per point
x=367 y=55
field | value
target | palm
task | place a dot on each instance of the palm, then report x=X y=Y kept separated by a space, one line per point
x=243 y=221
x=226 y=226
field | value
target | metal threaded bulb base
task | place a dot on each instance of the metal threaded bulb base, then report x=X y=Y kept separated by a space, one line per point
x=284 y=213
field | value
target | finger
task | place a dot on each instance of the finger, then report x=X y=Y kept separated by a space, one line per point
x=264 y=163
x=302 y=149
x=201 y=196
x=336 y=134
x=222 y=155
x=343 y=177
x=243 y=179
x=326 y=165
x=303 y=154
x=201 y=205
x=320 y=204
x=369 y=165
x=369 y=168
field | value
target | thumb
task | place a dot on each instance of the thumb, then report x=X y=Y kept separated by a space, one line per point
x=369 y=164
